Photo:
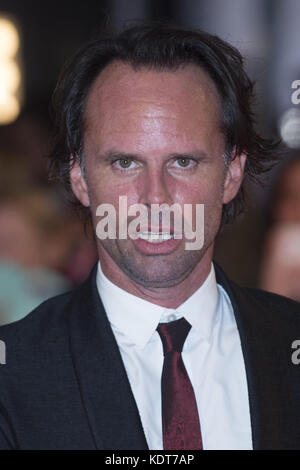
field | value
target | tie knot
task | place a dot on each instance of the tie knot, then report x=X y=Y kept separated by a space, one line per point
x=173 y=334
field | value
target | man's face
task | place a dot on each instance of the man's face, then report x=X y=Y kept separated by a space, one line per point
x=156 y=138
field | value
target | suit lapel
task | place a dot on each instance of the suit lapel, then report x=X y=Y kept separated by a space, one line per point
x=106 y=394
x=266 y=351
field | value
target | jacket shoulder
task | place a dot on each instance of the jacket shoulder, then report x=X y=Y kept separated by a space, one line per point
x=258 y=303
x=45 y=322
x=279 y=302
x=282 y=308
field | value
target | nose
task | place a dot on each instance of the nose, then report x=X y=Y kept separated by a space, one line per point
x=155 y=188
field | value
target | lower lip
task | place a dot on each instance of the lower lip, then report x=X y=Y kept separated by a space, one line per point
x=161 y=248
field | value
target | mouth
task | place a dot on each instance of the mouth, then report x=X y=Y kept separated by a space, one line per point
x=155 y=237
x=156 y=242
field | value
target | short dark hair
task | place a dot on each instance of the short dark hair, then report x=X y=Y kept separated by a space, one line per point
x=161 y=47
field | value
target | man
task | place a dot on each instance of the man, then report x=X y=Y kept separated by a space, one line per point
x=158 y=349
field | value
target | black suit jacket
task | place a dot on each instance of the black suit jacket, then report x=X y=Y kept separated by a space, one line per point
x=64 y=385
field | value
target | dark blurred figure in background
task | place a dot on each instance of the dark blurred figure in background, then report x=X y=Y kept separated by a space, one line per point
x=43 y=248
x=29 y=251
x=280 y=269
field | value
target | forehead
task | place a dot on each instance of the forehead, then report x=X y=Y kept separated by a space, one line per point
x=125 y=101
x=120 y=84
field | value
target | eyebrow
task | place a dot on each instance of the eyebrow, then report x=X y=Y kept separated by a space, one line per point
x=111 y=156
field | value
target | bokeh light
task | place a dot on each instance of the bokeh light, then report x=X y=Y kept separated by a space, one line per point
x=9 y=38
x=10 y=72
x=289 y=127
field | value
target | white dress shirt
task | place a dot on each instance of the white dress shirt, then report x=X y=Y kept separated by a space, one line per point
x=211 y=354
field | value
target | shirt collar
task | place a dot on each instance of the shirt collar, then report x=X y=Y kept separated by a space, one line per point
x=136 y=319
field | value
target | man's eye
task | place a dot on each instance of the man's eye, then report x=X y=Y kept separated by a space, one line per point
x=184 y=162
x=123 y=163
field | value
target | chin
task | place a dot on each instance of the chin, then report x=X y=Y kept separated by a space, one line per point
x=161 y=271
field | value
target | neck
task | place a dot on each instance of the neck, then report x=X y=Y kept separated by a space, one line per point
x=168 y=297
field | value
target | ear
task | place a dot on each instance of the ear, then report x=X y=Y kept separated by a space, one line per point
x=234 y=177
x=78 y=184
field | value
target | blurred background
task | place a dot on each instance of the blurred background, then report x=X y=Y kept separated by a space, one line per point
x=44 y=249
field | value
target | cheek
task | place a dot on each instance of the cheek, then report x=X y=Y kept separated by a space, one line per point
x=210 y=194
x=206 y=190
x=106 y=191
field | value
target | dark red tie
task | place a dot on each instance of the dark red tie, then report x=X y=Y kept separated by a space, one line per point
x=180 y=419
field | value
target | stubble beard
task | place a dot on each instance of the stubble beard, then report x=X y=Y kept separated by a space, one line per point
x=159 y=270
